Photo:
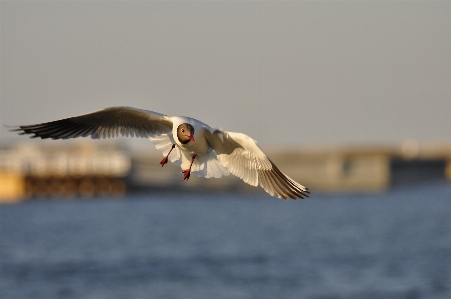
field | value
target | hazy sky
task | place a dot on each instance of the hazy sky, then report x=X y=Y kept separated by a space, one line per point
x=288 y=73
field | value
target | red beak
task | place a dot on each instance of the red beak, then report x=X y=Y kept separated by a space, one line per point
x=191 y=138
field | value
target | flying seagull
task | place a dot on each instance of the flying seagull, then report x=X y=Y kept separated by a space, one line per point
x=185 y=141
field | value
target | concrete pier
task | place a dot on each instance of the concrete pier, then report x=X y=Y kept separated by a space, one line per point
x=29 y=171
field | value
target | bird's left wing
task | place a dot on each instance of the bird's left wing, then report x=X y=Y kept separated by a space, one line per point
x=242 y=157
x=105 y=123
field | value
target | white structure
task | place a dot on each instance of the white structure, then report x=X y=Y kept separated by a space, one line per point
x=81 y=160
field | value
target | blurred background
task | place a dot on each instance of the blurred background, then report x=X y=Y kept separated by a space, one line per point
x=350 y=98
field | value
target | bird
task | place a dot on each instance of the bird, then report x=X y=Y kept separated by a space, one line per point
x=185 y=141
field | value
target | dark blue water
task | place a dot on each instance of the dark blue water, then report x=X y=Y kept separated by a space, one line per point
x=394 y=245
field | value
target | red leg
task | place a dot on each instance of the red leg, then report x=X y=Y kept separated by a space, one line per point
x=165 y=159
x=187 y=172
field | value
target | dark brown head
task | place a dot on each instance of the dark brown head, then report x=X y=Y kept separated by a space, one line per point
x=185 y=133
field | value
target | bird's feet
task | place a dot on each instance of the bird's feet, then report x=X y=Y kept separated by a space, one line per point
x=186 y=174
x=165 y=159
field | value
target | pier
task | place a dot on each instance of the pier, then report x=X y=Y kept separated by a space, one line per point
x=30 y=171
x=84 y=170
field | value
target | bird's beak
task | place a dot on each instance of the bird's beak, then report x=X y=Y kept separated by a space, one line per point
x=191 y=137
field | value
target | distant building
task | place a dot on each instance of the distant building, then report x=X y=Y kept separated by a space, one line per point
x=27 y=170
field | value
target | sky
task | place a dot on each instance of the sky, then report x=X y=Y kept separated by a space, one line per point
x=287 y=73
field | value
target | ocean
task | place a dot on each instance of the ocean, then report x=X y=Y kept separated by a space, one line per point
x=172 y=245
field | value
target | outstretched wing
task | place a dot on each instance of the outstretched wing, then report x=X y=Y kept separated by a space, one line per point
x=242 y=157
x=105 y=123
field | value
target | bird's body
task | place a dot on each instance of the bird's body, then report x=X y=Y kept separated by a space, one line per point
x=185 y=141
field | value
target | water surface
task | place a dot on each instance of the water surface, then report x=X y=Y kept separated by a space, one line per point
x=393 y=245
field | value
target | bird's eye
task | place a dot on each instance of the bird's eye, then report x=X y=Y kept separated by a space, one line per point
x=183 y=130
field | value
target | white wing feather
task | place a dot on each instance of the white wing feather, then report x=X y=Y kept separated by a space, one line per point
x=242 y=157
x=208 y=166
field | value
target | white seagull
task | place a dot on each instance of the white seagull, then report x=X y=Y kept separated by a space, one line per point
x=185 y=141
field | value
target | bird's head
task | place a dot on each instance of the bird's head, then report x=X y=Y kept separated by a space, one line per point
x=185 y=133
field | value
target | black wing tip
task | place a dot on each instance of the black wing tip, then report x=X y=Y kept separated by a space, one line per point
x=13 y=128
x=304 y=193
x=20 y=130
x=292 y=189
x=298 y=194
x=301 y=195
x=43 y=130
x=295 y=197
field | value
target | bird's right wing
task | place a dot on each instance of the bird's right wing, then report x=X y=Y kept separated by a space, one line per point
x=105 y=123
x=242 y=157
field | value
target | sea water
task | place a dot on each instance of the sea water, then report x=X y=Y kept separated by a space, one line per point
x=225 y=245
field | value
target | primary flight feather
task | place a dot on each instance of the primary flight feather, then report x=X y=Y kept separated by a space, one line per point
x=185 y=141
